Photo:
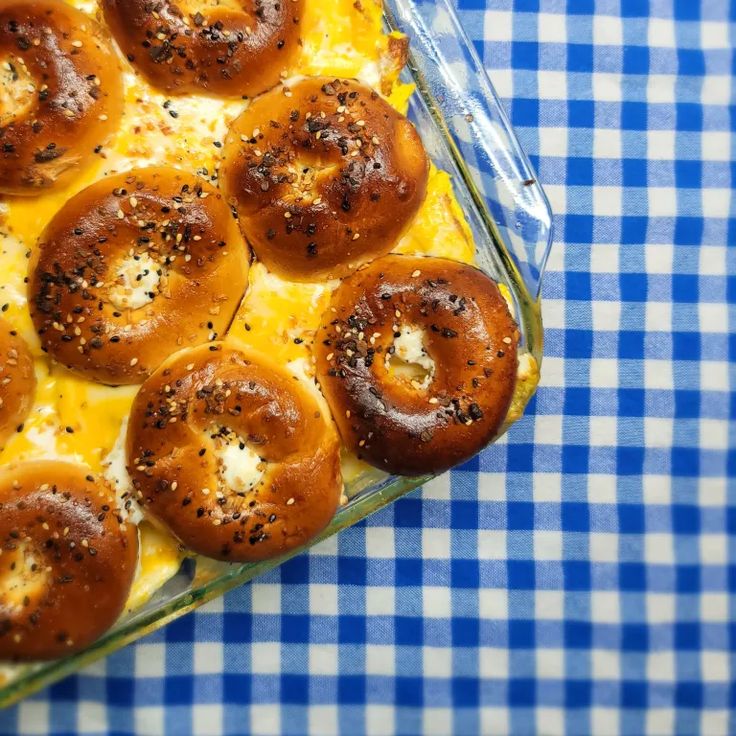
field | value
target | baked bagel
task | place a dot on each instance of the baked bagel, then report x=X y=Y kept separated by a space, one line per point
x=325 y=174
x=233 y=454
x=134 y=268
x=417 y=358
x=17 y=381
x=61 y=93
x=226 y=51
x=67 y=560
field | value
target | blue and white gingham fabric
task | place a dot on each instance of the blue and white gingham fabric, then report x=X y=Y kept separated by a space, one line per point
x=579 y=577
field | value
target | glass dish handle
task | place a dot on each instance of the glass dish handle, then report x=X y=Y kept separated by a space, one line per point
x=487 y=151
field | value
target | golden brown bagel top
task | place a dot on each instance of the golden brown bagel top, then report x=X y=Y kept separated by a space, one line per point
x=408 y=426
x=67 y=563
x=17 y=381
x=326 y=175
x=169 y=227
x=204 y=399
x=48 y=134
x=217 y=50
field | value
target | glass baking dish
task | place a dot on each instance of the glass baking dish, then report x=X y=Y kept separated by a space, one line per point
x=467 y=134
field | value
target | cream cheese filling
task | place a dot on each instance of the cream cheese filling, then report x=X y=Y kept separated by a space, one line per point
x=137 y=282
x=410 y=359
x=240 y=468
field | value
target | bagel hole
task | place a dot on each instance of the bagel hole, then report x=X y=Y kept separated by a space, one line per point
x=307 y=171
x=17 y=89
x=137 y=281
x=22 y=576
x=239 y=467
x=409 y=360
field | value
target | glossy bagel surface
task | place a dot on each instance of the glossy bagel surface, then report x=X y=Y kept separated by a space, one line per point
x=62 y=94
x=159 y=224
x=324 y=178
x=237 y=49
x=407 y=425
x=216 y=394
x=67 y=563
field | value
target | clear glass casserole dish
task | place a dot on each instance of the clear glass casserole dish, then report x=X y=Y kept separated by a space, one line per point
x=467 y=134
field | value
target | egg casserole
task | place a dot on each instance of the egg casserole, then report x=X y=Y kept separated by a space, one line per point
x=84 y=422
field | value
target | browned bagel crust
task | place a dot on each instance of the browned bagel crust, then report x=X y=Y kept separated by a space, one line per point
x=17 y=381
x=171 y=454
x=77 y=102
x=59 y=518
x=164 y=214
x=220 y=51
x=324 y=179
x=469 y=334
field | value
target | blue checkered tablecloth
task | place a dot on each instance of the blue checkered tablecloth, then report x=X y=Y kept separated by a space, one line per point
x=579 y=577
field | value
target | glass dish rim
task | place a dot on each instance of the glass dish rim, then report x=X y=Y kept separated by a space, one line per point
x=145 y=622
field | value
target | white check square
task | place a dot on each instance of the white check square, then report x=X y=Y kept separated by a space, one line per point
x=497 y=25
x=552 y=27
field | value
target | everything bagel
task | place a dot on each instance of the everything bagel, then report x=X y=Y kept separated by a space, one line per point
x=134 y=268
x=223 y=51
x=61 y=94
x=67 y=563
x=325 y=174
x=417 y=358
x=233 y=454
x=17 y=381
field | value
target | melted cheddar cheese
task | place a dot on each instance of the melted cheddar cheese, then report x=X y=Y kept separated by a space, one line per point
x=78 y=420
